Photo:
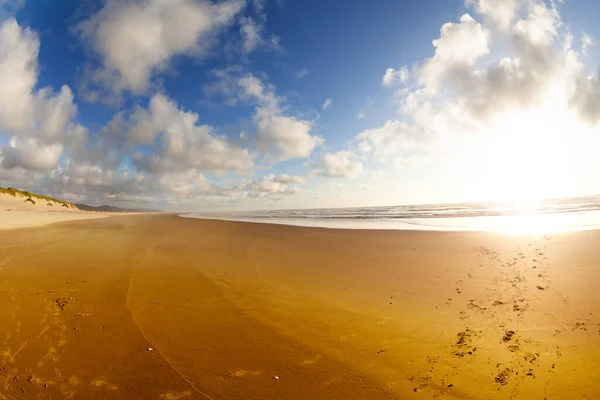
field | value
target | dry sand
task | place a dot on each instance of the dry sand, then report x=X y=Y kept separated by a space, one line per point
x=227 y=307
x=26 y=219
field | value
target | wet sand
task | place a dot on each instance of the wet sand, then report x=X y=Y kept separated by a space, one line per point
x=249 y=311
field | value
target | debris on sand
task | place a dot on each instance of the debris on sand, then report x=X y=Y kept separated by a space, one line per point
x=502 y=377
x=463 y=343
x=61 y=302
x=540 y=287
x=508 y=336
x=276 y=377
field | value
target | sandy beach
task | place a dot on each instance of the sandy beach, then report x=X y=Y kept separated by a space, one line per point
x=163 y=307
x=27 y=219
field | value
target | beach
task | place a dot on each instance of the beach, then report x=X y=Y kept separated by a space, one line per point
x=156 y=306
x=27 y=219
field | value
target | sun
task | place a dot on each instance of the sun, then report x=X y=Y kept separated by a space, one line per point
x=525 y=156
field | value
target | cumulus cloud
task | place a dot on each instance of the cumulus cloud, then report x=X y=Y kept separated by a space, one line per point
x=284 y=178
x=541 y=25
x=183 y=142
x=37 y=119
x=137 y=39
x=393 y=77
x=458 y=47
x=455 y=98
x=30 y=154
x=327 y=104
x=391 y=143
x=279 y=137
x=18 y=75
x=586 y=98
x=586 y=42
x=500 y=12
x=85 y=182
x=285 y=138
x=339 y=165
x=251 y=34
x=272 y=186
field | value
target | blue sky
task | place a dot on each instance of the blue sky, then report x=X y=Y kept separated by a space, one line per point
x=247 y=104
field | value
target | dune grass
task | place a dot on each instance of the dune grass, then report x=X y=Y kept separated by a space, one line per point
x=31 y=197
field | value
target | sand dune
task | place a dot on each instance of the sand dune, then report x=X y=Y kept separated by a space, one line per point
x=20 y=209
x=156 y=306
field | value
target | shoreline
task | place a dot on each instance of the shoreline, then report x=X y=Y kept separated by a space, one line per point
x=509 y=224
x=220 y=309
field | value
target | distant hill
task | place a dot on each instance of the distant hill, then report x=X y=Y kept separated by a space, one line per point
x=107 y=208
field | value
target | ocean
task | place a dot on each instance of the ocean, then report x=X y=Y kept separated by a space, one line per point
x=556 y=215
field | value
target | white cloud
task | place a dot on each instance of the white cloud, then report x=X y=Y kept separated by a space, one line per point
x=253 y=88
x=285 y=178
x=54 y=113
x=301 y=73
x=586 y=42
x=339 y=165
x=285 y=138
x=510 y=120
x=38 y=119
x=360 y=115
x=393 y=77
x=92 y=184
x=541 y=25
x=18 y=75
x=392 y=142
x=251 y=34
x=501 y=12
x=327 y=104
x=458 y=47
x=135 y=40
x=279 y=137
x=586 y=98
x=30 y=154
x=272 y=187
x=184 y=143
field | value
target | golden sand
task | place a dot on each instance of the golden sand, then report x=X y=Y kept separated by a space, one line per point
x=27 y=219
x=162 y=307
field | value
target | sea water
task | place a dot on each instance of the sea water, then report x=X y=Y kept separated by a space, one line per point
x=557 y=215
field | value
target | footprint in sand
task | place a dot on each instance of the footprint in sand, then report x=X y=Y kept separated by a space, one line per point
x=103 y=384
x=311 y=361
x=175 y=396
x=240 y=372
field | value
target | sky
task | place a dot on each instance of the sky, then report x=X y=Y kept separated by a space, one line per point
x=198 y=105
